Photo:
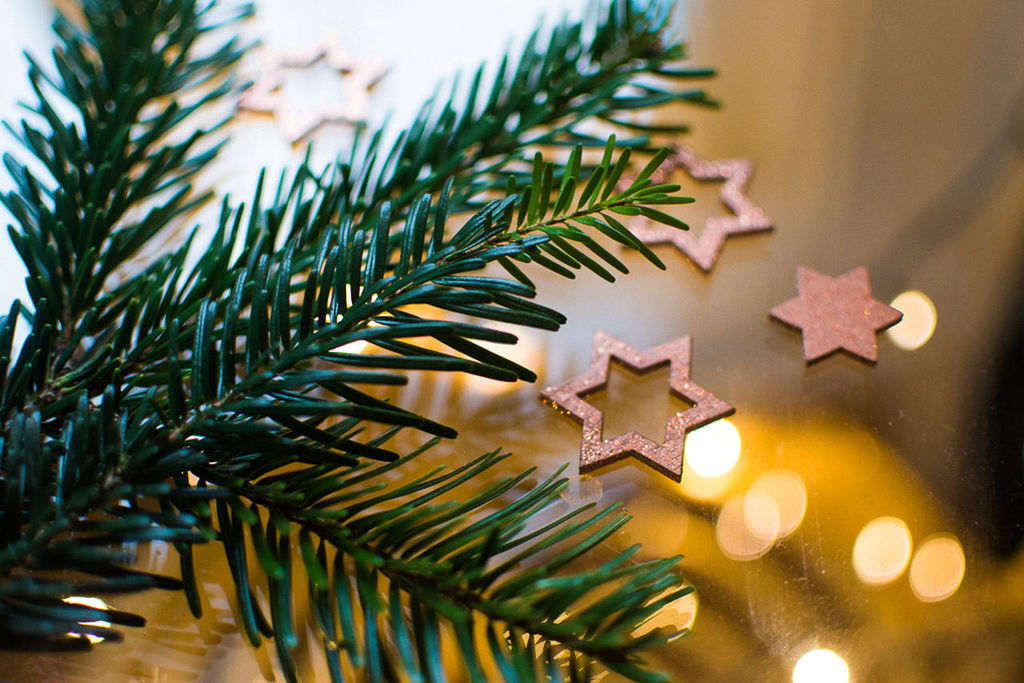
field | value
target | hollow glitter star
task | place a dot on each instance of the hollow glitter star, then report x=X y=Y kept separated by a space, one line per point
x=705 y=249
x=265 y=95
x=666 y=457
x=836 y=314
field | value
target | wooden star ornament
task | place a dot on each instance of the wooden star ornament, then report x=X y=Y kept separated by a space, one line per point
x=836 y=314
x=265 y=94
x=667 y=457
x=747 y=217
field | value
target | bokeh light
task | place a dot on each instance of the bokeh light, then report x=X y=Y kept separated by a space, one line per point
x=821 y=666
x=747 y=526
x=706 y=488
x=761 y=516
x=713 y=450
x=937 y=569
x=790 y=495
x=882 y=550
x=919 y=320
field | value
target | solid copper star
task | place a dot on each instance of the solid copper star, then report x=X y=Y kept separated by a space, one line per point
x=836 y=314
x=666 y=457
x=704 y=249
x=265 y=94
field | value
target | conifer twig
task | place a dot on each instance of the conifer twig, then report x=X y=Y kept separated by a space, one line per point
x=218 y=402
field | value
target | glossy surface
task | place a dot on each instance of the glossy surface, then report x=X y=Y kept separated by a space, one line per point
x=868 y=524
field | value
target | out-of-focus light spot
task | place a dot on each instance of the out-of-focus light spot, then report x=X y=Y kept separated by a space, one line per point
x=919 y=319
x=790 y=496
x=733 y=531
x=706 y=488
x=712 y=450
x=528 y=352
x=678 y=614
x=761 y=515
x=937 y=569
x=89 y=602
x=882 y=550
x=821 y=666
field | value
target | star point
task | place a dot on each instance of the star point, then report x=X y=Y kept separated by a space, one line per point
x=705 y=249
x=666 y=457
x=836 y=314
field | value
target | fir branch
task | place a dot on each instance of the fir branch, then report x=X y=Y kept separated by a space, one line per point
x=438 y=566
x=234 y=371
x=606 y=66
x=133 y=73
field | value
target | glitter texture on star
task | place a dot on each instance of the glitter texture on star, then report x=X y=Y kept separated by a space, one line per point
x=836 y=314
x=666 y=457
x=705 y=248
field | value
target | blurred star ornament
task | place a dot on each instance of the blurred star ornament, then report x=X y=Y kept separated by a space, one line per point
x=265 y=95
x=836 y=314
x=667 y=457
x=747 y=217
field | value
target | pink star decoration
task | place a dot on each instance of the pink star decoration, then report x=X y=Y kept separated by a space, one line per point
x=666 y=457
x=747 y=217
x=358 y=77
x=836 y=314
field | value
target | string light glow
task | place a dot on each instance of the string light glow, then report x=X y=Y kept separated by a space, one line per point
x=937 y=569
x=882 y=551
x=761 y=516
x=747 y=526
x=919 y=320
x=707 y=488
x=821 y=666
x=712 y=450
x=790 y=496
